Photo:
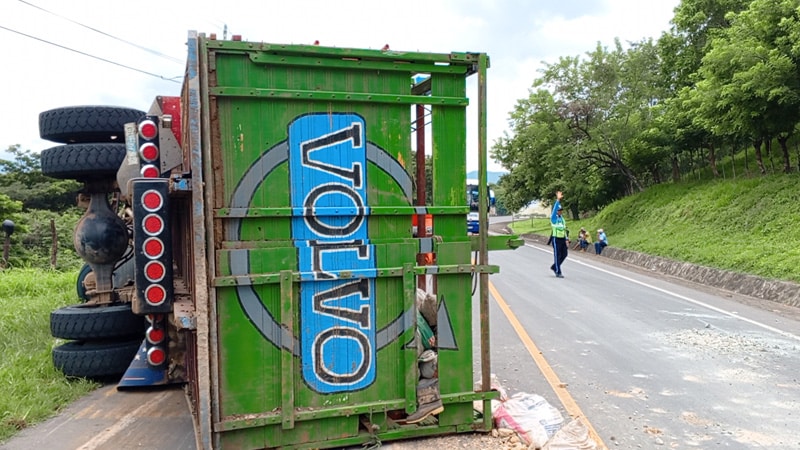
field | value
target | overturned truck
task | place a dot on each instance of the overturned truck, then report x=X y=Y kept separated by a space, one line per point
x=252 y=239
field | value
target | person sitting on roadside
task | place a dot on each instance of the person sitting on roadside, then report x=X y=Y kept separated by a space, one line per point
x=583 y=240
x=602 y=241
x=588 y=240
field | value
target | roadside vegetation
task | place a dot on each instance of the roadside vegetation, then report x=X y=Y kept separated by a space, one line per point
x=31 y=389
x=44 y=213
x=745 y=225
x=686 y=146
x=717 y=95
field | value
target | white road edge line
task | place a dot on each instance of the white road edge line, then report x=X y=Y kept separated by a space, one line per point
x=682 y=297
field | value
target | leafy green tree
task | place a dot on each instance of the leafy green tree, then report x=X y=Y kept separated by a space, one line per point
x=500 y=207
x=695 y=23
x=681 y=51
x=38 y=204
x=578 y=130
x=9 y=209
x=750 y=85
x=532 y=154
x=21 y=178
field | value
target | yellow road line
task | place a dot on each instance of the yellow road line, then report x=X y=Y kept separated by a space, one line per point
x=558 y=387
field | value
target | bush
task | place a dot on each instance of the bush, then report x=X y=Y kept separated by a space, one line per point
x=32 y=243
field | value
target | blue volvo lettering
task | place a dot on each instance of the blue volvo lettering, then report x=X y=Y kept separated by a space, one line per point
x=327 y=164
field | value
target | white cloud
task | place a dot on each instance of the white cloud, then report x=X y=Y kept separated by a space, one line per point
x=517 y=35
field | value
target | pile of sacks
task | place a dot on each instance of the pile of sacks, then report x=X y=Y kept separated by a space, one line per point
x=528 y=421
x=523 y=421
x=429 y=401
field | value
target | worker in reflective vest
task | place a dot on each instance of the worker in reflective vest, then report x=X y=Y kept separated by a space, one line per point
x=559 y=236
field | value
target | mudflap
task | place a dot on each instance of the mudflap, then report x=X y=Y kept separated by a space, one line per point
x=140 y=374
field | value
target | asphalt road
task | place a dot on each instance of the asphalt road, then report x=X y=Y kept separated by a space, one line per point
x=108 y=419
x=649 y=361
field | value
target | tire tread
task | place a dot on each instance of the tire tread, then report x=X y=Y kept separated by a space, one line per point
x=94 y=359
x=102 y=322
x=82 y=161
x=84 y=124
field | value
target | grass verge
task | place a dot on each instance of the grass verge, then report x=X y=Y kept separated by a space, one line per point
x=31 y=389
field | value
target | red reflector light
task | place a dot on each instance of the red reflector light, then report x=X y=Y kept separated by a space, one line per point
x=148 y=129
x=155 y=294
x=152 y=200
x=153 y=248
x=148 y=152
x=150 y=171
x=152 y=224
x=156 y=356
x=155 y=335
x=154 y=271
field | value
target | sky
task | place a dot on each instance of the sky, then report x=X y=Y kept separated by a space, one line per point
x=100 y=52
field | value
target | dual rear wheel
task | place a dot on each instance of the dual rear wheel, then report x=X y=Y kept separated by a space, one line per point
x=102 y=339
x=93 y=138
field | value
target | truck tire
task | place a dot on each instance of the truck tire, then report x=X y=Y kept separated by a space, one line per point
x=83 y=161
x=79 y=287
x=95 y=322
x=81 y=124
x=88 y=359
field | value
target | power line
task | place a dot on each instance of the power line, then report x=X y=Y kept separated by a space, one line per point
x=155 y=52
x=92 y=56
x=168 y=10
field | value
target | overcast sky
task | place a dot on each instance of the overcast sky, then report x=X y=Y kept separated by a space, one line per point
x=47 y=44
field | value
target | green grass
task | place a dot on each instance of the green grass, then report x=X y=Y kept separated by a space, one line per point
x=746 y=225
x=31 y=389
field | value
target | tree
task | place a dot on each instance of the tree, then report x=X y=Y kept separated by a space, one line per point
x=21 y=179
x=695 y=23
x=533 y=153
x=9 y=209
x=35 y=201
x=578 y=129
x=750 y=77
x=681 y=52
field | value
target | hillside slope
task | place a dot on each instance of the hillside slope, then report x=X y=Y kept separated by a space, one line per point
x=745 y=225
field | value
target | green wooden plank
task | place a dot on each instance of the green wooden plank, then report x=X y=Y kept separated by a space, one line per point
x=458 y=58
x=334 y=96
x=327 y=62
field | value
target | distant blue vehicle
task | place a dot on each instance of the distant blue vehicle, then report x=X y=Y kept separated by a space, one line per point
x=472 y=222
x=473 y=200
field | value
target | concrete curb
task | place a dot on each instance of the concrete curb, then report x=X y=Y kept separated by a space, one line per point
x=784 y=292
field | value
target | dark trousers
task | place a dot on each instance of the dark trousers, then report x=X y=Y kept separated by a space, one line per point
x=599 y=246
x=559 y=253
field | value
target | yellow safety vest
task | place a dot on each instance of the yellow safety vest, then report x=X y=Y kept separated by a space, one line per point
x=559 y=228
